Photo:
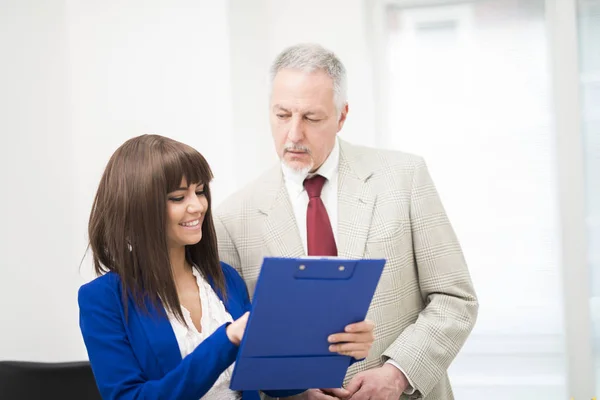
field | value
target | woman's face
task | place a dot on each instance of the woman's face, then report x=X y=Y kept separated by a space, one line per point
x=186 y=208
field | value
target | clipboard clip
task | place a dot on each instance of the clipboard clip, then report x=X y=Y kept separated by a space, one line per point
x=332 y=270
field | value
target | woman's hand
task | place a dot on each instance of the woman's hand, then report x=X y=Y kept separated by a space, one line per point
x=355 y=341
x=235 y=330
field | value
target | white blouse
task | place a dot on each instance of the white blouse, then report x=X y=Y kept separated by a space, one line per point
x=214 y=315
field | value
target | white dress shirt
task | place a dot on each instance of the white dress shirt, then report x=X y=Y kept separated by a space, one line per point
x=294 y=183
x=188 y=338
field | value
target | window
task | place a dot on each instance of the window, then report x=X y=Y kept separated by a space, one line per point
x=589 y=38
x=467 y=85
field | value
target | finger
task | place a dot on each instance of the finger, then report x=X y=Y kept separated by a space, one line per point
x=244 y=319
x=320 y=395
x=363 y=337
x=359 y=355
x=340 y=393
x=355 y=384
x=362 y=326
x=346 y=347
x=363 y=393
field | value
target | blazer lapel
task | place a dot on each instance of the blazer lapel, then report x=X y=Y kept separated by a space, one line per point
x=161 y=338
x=280 y=231
x=355 y=210
x=355 y=203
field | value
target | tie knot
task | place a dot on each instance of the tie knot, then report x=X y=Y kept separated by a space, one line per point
x=314 y=185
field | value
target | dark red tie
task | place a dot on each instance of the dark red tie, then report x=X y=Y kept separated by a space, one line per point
x=320 y=240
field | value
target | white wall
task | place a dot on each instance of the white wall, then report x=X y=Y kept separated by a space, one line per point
x=38 y=262
x=83 y=77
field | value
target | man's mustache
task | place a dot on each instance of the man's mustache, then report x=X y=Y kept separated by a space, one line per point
x=297 y=148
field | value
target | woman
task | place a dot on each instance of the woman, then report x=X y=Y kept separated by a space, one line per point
x=164 y=318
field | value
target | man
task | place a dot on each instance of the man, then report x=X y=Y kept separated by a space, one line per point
x=328 y=197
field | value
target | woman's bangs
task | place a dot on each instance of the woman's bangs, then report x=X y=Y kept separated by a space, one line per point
x=186 y=163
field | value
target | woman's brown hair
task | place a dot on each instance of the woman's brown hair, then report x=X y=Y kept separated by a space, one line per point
x=127 y=226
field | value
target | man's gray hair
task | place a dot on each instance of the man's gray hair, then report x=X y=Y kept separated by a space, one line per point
x=309 y=57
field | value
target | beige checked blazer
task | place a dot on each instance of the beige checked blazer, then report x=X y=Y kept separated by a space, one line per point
x=424 y=306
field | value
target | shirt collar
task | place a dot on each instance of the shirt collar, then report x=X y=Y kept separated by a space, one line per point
x=328 y=169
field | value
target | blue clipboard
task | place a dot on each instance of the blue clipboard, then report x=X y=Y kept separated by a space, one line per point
x=297 y=304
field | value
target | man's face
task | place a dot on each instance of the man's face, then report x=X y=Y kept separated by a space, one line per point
x=304 y=119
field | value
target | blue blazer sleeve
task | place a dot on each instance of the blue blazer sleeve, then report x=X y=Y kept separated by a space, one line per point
x=241 y=288
x=116 y=369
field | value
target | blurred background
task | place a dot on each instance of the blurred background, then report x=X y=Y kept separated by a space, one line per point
x=501 y=97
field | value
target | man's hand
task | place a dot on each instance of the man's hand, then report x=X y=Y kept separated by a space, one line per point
x=384 y=383
x=355 y=341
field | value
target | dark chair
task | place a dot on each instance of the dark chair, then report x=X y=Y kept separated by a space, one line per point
x=22 y=380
